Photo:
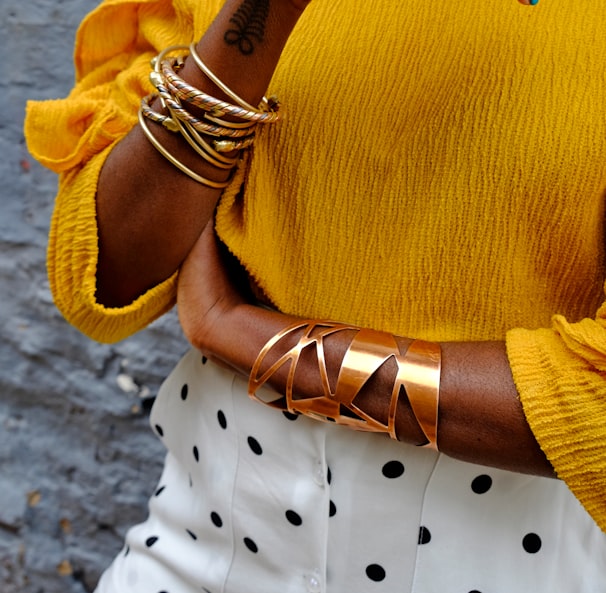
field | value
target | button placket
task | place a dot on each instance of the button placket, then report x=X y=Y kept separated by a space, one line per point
x=319 y=473
x=313 y=581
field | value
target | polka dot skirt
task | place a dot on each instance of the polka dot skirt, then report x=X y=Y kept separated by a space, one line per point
x=252 y=500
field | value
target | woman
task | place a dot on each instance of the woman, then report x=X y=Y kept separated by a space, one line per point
x=437 y=188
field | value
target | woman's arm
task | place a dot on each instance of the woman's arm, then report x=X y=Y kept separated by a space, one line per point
x=480 y=416
x=149 y=213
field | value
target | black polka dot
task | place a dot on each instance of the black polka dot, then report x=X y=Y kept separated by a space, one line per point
x=150 y=541
x=196 y=453
x=126 y=552
x=424 y=535
x=328 y=475
x=147 y=403
x=532 y=543
x=192 y=534
x=254 y=445
x=191 y=483
x=159 y=430
x=159 y=491
x=294 y=518
x=290 y=416
x=251 y=545
x=184 y=391
x=393 y=469
x=332 y=509
x=216 y=519
x=375 y=572
x=222 y=419
x=204 y=360
x=481 y=484
x=475 y=591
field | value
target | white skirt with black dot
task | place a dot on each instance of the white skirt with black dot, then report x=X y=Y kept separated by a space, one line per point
x=255 y=501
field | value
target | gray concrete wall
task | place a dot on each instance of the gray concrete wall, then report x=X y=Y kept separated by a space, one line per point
x=77 y=460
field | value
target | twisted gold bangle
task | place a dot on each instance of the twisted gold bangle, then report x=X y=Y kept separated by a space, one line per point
x=170 y=99
x=216 y=107
x=165 y=120
x=161 y=64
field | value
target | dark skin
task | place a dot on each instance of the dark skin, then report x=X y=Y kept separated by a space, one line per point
x=481 y=417
x=149 y=213
x=152 y=220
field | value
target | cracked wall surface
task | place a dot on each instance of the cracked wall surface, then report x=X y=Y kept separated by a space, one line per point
x=77 y=459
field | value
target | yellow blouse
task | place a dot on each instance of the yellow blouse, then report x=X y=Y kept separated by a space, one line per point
x=441 y=174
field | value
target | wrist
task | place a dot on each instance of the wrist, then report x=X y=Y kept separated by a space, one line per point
x=242 y=319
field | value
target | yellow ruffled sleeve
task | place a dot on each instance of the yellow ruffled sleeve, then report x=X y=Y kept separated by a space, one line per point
x=74 y=135
x=560 y=374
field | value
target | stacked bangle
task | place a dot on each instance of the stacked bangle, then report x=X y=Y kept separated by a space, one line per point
x=175 y=161
x=185 y=92
x=209 y=135
x=217 y=82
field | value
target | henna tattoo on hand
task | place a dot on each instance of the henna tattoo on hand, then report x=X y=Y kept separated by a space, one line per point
x=249 y=25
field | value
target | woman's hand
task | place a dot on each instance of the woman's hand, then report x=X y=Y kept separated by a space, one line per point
x=206 y=293
x=214 y=303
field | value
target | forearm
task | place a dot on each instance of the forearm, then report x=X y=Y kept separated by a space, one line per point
x=150 y=213
x=480 y=417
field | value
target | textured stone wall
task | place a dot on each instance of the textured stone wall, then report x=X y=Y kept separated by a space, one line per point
x=77 y=460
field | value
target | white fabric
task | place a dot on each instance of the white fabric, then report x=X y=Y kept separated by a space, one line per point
x=251 y=501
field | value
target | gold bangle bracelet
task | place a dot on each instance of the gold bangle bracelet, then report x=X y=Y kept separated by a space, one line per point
x=230 y=124
x=204 y=149
x=184 y=91
x=171 y=101
x=194 y=138
x=227 y=145
x=168 y=68
x=176 y=162
x=219 y=83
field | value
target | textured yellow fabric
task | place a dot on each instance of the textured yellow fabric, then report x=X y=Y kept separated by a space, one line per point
x=441 y=174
